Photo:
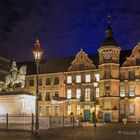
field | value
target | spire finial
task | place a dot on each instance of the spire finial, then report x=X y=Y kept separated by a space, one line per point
x=37 y=43
x=108 y=18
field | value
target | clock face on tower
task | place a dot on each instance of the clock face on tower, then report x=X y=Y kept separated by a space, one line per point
x=107 y=55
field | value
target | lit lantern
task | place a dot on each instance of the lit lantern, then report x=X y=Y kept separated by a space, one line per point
x=37 y=51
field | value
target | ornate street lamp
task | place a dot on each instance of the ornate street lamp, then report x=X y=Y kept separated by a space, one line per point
x=95 y=84
x=37 y=52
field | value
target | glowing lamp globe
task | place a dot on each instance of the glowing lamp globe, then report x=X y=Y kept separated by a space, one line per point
x=37 y=51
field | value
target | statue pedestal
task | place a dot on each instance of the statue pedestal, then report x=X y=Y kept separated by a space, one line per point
x=17 y=103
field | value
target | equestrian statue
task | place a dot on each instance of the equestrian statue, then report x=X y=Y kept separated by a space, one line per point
x=16 y=78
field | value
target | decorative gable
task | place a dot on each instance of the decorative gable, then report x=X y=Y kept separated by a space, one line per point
x=134 y=58
x=81 y=62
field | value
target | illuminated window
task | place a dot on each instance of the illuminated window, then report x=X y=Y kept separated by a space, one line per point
x=69 y=109
x=87 y=94
x=48 y=110
x=69 y=93
x=122 y=91
x=78 y=109
x=97 y=92
x=87 y=78
x=56 y=81
x=48 y=81
x=78 y=93
x=31 y=82
x=97 y=77
x=78 y=79
x=69 y=79
x=56 y=110
x=132 y=109
x=131 y=91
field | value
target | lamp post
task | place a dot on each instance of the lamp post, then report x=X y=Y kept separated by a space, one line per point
x=37 y=52
x=95 y=84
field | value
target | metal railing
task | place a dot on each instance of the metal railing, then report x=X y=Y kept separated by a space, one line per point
x=27 y=122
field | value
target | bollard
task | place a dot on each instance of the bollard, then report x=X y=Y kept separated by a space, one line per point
x=7 y=121
x=63 y=121
x=73 y=120
x=32 y=127
x=50 y=121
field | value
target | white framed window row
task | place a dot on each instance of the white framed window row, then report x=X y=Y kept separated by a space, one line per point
x=78 y=78
x=78 y=93
x=87 y=78
x=69 y=79
x=69 y=93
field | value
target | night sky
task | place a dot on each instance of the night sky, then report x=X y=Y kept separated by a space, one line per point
x=65 y=26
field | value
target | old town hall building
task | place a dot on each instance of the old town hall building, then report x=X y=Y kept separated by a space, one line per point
x=107 y=83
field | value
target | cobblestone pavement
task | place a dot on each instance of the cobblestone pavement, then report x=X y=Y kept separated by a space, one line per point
x=87 y=132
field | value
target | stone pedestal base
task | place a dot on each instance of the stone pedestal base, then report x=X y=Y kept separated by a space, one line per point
x=17 y=103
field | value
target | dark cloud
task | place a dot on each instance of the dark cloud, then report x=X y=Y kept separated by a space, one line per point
x=65 y=26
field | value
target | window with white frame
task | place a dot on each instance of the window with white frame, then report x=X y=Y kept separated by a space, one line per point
x=97 y=77
x=78 y=109
x=131 y=91
x=69 y=79
x=87 y=94
x=131 y=109
x=78 y=93
x=97 y=92
x=87 y=78
x=69 y=93
x=78 y=78
x=69 y=109
x=122 y=91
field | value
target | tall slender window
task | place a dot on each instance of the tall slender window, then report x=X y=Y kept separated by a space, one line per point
x=69 y=79
x=69 y=93
x=132 y=109
x=78 y=109
x=40 y=96
x=31 y=82
x=122 y=109
x=97 y=92
x=131 y=91
x=87 y=94
x=78 y=79
x=47 y=110
x=97 y=76
x=78 y=93
x=87 y=78
x=122 y=91
x=69 y=109
x=56 y=110
x=47 y=98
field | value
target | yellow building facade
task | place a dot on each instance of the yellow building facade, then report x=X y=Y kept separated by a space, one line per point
x=105 y=84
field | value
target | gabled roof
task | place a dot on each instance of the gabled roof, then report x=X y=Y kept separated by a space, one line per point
x=81 y=62
x=55 y=65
